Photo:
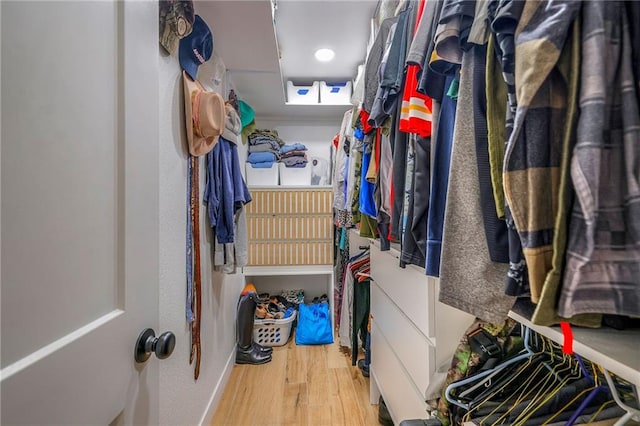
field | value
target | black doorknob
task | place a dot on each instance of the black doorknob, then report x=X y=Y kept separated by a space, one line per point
x=147 y=343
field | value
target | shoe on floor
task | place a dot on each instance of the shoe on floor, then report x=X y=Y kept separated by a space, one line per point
x=364 y=368
x=384 y=418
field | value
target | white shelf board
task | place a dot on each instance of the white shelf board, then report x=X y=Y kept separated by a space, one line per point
x=618 y=351
x=300 y=187
x=255 y=271
x=321 y=104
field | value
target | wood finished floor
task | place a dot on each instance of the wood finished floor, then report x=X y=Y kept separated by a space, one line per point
x=302 y=385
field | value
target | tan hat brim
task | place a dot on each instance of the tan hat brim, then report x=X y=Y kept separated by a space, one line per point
x=199 y=145
x=189 y=87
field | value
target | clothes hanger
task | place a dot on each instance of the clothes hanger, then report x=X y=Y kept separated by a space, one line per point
x=510 y=374
x=533 y=384
x=632 y=413
x=499 y=376
x=544 y=397
x=526 y=353
x=513 y=400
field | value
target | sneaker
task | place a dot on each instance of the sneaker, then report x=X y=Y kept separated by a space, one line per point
x=364 y=368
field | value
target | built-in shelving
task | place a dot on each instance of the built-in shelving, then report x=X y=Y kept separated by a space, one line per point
x=256 y=271
x=300 y=187
x=617 y=351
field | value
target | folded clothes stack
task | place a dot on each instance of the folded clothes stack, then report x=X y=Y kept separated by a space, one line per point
x=293 y=155
x=264 y=148
x=262 y=160
x=266 y=137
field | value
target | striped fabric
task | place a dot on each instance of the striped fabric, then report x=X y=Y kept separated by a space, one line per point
x=532 y=157
x=546 y=310
x=415 y=115
x=603 y=260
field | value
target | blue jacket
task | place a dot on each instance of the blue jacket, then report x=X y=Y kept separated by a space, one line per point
x=225 y=190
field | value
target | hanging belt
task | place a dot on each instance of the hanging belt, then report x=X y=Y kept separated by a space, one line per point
x=196 y=349
x=189 y=307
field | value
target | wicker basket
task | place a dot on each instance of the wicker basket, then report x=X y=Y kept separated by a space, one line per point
x=273 y=332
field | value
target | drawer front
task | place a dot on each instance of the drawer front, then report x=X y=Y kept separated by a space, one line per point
x=280 y=227
x=290 y=201
x=290 y=253
x=414 y=351
x=400 y=395
x=408 y=288
x=452 y=325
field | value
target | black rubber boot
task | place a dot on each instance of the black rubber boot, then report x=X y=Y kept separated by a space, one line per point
x=257 y=346
x=248 y=352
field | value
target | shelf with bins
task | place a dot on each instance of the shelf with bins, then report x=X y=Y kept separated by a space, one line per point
x=290 y=233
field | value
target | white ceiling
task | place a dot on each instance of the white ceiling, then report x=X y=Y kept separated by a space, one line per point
x=245 y=38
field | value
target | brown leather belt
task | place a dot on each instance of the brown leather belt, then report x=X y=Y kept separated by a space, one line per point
x=196 y=348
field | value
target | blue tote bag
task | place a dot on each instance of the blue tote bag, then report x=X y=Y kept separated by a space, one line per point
x=314 y=325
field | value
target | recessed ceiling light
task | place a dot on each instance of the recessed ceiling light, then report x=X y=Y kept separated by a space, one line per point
x=325 y=55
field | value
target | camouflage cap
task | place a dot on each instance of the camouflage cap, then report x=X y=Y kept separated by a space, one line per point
x=176 y=22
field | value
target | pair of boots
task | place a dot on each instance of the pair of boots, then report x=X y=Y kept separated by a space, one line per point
x=248 y=351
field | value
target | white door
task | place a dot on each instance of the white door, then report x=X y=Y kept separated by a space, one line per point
x=79 y=190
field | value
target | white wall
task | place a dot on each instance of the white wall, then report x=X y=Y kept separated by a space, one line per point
x=184 y=401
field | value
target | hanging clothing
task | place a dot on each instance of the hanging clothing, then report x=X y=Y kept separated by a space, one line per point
x=495 y=229
x=496 y=94
x=414 y=218
x=392 y=73
x=385 y=176
x=440 y=178
x=225 y=191
x=340 y=172
x=361 y=305
x=531 y=163
x=546 y=309
x=603 y=261
x=230 y=256
x=468 y=281
x=366 y=203
x=399 y=144
x=504 y=17
x=356 y=264
x=415 y=114
x=422 y=193
x=374 y=59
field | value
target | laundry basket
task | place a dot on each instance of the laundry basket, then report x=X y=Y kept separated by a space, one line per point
x=273 y=332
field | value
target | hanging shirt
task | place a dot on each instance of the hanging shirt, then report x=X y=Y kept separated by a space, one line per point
x=225 y=190
x=440 y=180
x=602 y=273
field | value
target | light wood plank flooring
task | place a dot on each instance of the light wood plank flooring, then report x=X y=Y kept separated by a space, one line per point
x=302 y=385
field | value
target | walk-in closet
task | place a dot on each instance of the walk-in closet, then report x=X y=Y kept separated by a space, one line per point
x=320 y=212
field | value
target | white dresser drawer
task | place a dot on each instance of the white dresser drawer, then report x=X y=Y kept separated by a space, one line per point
x=409 y=288
x=402 y=398
x=414 y=351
